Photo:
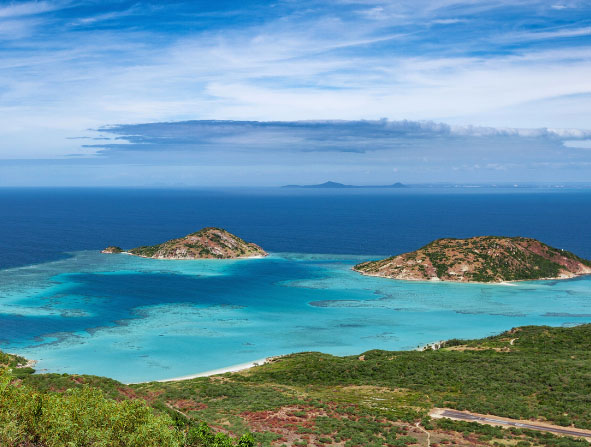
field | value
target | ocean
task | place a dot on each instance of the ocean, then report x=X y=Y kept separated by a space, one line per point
x=75 y=310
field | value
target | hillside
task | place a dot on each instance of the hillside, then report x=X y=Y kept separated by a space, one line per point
x=207 y=243
x=379 y=398
x=480 y=259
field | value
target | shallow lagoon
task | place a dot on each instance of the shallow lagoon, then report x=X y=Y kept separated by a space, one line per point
x=137 y=319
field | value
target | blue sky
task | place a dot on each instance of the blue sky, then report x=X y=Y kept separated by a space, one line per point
x=203 y=93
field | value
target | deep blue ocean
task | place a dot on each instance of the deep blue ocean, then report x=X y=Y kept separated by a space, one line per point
x=75 y=310
x=38 y=225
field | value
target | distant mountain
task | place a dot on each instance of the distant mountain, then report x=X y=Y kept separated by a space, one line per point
x=335 y=185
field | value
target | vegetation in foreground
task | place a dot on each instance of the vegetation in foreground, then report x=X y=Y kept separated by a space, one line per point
x=380 y=398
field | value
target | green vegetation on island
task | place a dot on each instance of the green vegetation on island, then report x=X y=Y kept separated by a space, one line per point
x=379 y=398
x=480 y=259
x=207 y=243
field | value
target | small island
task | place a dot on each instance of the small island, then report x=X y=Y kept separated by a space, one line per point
x=207 y=243
x=484 y=259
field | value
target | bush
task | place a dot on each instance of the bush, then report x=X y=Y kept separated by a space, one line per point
x=85 y=417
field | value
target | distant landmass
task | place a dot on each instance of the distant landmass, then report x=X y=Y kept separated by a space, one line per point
x=207 y=243
x=480 y=259
x=335 y=185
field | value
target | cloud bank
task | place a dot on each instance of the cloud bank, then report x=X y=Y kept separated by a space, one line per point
x=322 y=135
x=272 y=153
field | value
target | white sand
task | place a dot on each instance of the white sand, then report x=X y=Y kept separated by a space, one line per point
x=213 y=372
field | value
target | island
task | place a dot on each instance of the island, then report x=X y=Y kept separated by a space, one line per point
x=207 y=243
x=486 y=259
x=336 y=185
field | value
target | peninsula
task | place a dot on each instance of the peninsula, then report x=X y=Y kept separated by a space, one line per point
x=487 y=259
x=207 y=243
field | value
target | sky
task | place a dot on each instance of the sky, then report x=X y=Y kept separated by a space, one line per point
x=265 y=93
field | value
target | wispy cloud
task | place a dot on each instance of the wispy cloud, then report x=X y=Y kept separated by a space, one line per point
x=449 y=21
x=498 y=64
x=20 y=9
x=550 y=34
x=20 y=20
x=94 y=19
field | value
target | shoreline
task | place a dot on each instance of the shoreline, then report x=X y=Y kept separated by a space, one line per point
x=214 y=372
x=492 y=283
x=436 y=345
x=186 y=259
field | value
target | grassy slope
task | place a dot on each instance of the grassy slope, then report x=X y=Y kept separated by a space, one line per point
x=319 y=399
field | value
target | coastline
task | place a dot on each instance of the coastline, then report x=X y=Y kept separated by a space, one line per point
x=228 y=369
x=189 y=259
x=493 y=283
x=434 y=345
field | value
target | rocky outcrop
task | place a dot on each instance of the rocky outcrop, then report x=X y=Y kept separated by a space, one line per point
x=112 y=250
x=480 y=259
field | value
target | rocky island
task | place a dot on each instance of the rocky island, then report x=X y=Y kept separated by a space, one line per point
x=207 y=243
x=489 y=259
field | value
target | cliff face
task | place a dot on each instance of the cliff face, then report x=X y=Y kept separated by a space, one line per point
x=480 y=259
x=208 y=243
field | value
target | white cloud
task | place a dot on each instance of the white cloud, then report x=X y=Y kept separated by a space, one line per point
x=582 y=144
x=92 y=19
x=16 y=29
x=289 y=69
x=449 y=21
x=22 y=20
x=550 y=34
x=28 y=8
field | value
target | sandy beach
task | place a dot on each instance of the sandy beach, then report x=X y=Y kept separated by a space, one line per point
x=213 y=372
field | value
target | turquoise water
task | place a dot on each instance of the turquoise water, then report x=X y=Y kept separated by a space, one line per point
x=138 y=319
